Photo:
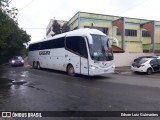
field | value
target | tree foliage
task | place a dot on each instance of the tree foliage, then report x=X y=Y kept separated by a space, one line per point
x=56 y=27
x=4 y=7
x=65 y=28
x=12 y=38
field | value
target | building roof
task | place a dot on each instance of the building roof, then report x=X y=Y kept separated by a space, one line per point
x=117 y=49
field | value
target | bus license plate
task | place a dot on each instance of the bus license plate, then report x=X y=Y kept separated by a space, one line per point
x=105 y=70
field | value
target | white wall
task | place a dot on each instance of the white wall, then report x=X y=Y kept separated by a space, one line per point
x=126 y=59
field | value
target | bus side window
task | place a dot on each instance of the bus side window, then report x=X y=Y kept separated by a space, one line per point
x=73 y=44
x=77 y=45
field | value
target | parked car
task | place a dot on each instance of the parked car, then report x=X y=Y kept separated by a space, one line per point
x=147 y=65
x=158 y=57
x=17 y=61
x=139 y=58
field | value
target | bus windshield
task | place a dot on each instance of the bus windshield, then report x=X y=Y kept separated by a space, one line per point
x=101 y=49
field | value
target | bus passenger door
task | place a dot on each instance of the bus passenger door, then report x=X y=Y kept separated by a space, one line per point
x=84 y=68
x=76 y=54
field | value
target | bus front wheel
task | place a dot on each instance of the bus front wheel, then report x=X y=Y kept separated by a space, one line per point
x=70 y=70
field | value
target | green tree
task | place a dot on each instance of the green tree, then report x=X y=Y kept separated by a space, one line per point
x=12 y=38
x=4 y=7
x=56 y=27
x=65 y=28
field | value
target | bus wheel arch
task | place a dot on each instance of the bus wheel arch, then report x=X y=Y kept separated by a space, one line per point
x=70 y=70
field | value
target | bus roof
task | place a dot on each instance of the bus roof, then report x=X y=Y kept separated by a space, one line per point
x=78 y=32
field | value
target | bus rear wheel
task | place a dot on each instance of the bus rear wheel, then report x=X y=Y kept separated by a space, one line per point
x=38 y=66
x=34 y=65
x=70 y=70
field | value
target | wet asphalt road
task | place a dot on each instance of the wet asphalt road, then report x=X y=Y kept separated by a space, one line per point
x=49 y=90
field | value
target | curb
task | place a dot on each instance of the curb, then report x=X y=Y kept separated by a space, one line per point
x=123 y=72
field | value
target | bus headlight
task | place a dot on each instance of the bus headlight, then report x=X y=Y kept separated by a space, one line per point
x=93 y=67
x=113 y=66
x=22 y=61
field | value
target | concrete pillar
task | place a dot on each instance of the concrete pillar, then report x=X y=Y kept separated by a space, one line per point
x=123 y=33
x=79 y=20
x=153 y=36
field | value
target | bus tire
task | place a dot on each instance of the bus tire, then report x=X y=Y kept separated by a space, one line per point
x=34 y=65
x=70 y=70
x=149 y=71
x=38 y=66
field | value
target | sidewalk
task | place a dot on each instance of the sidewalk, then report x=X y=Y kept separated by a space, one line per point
x=123 y=70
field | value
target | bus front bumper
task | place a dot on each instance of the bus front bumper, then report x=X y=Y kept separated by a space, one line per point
x=101 y=71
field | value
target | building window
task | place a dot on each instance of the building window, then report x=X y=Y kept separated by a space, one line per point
x=103 y=29
x=145 y=33
x=118 y=31
x=129 y=32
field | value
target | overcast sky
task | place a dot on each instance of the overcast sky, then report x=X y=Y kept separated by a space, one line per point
x=34 y=15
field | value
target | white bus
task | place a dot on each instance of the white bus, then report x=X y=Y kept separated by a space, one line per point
x=83 y=51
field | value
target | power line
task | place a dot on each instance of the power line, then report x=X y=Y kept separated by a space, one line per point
x=10 y=1
x=26 y=5
x=33 y=28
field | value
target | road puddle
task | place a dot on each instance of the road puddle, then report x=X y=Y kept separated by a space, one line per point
x=24 y=74
x=6 y=81
x=19 y=82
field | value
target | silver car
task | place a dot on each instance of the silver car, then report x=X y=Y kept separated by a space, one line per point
x=17 y=61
